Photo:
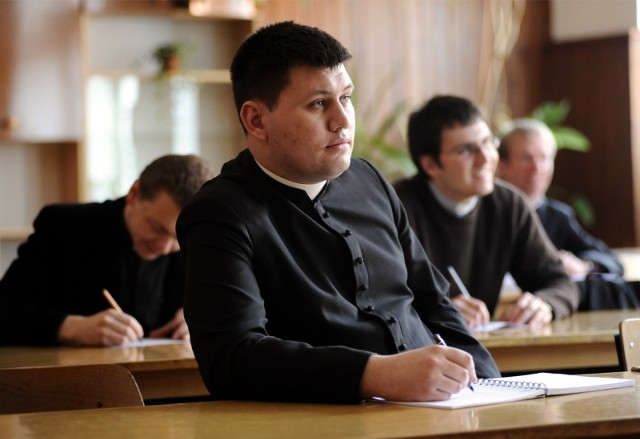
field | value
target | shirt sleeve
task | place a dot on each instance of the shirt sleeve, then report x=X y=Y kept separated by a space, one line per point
x=537 y=267
x=28 y=293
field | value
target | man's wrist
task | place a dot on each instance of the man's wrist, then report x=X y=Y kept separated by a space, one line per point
x=66 y=331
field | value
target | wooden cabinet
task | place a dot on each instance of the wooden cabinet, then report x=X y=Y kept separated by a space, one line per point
x=39 y=71
x=40 y=108
x=82 y=109
x=134 y=113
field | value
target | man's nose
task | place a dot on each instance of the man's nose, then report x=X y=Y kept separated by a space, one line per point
x=165 y=245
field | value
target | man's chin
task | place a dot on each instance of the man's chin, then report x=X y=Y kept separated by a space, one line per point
x=147 y=255
x=485 y=189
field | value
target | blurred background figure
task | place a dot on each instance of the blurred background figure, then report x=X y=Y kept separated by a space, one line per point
x=480 y=226
x=527 y=153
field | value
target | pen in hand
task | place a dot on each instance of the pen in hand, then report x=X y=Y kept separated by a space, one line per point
x=442 y=343
x=111 y=300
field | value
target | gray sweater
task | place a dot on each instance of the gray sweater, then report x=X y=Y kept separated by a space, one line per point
x=501 y=234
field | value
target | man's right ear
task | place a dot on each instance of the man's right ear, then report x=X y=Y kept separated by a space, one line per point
x=134 y=192
x=251 y=115
x=429 y=166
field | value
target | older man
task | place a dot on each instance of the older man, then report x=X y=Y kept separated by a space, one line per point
x=527 y=154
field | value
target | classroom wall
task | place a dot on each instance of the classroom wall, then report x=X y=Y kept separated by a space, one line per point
x=573 y=20
x=402 y=50
x=590 y=62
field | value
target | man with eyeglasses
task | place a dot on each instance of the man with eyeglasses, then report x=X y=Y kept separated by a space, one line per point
x=479 y=225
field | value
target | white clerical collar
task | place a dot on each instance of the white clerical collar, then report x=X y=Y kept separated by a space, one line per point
x=312 y=190
x=459 y=209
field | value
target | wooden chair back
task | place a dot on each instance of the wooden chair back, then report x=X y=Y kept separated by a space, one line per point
x=41 y=389
x=630 y=343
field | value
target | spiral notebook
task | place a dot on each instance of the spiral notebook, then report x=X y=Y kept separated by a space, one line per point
x=521 y=387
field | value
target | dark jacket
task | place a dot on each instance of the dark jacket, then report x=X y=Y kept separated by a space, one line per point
x=559 y=221
x=286 y=298
x=76 y=250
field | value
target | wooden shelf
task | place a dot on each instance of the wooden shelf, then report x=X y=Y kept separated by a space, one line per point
x=144 y=9
x=212 y=76
x=15 y=233
x=118 y=40
x=8 y=140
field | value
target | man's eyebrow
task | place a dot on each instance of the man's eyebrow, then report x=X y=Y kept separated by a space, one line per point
x=350 y=87
x=157 y=224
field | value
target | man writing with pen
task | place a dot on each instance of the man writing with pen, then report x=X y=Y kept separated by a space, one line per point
x=53 y=291
x=304 y=281
x=480 y=226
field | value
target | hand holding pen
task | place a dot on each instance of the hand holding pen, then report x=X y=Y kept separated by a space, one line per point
x=109 y=327
x=474 y=311
x=124 y=328
x=442 y=343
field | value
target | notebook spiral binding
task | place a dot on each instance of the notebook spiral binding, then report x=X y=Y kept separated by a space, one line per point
x=525 y=385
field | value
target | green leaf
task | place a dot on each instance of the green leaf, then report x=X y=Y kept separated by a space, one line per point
x=570 y=138
x=584 y=210
x=380 y=138
x=391 y=120
x=552 y=113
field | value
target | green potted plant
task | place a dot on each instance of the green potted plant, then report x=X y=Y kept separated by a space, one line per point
x=553 y=114
x=170 y=58
x=383 y=142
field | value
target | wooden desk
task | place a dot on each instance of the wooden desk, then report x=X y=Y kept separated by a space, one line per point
x=604 y=414
x=582 y=341
x=162 y=371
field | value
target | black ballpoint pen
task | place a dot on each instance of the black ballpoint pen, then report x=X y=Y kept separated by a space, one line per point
x=442 y=343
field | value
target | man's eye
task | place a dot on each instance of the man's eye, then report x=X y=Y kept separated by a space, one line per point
x=319 y=104
x=466 y=149
x=157 y=228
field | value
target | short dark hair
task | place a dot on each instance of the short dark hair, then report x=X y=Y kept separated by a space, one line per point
x=426 y=124
x=260 y=68
x=179 y=175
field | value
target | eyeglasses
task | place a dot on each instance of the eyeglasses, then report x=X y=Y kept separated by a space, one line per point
x=469 y=150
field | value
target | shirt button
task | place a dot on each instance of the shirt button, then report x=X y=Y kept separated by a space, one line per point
x=325 y=215
x=347 y=232
x=363 y=287
x=402 y=347
x=391 y=320
x=359 y=260
x=370 y=308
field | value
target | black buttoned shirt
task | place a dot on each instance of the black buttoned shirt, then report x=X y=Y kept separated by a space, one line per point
x=287 y=297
